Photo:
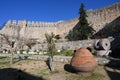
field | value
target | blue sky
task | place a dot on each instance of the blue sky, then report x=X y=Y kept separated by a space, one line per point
x=46 y=10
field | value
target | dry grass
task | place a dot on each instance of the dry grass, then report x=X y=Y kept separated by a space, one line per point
x=39 y=68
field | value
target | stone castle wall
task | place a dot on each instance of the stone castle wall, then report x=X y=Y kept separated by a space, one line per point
x=71 y=45
x=98 y=18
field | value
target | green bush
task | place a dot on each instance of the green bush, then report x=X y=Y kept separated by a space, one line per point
x=2 y=57
x=69 y=53
x=65 y=53
x=1 y=51
x=46 y=53
x=9 y=52
x=92 y=50
x=15 y=52
x=21 y=51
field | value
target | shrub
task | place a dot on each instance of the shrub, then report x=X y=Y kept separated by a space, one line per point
x=92 y=50
x=65 y=53
x=21 y=51
x=69 y=53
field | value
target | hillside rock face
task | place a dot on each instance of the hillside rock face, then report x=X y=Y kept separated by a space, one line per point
x=26 y=29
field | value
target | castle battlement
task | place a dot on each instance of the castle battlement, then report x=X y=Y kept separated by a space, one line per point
x=31 y=23
x=98 y=18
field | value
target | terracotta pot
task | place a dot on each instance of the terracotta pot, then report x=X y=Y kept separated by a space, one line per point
x=83 y=60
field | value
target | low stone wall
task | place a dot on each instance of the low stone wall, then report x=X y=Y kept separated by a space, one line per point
x=71 y=45
x=67 y=59
x=55 y=58
x=101 y=61
x=78 y=44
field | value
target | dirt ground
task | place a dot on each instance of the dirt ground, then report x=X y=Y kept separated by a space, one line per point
x=38 y=70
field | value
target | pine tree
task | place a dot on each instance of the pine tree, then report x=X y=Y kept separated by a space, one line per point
x=82 y=30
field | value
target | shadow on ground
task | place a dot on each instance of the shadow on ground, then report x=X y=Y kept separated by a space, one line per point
x=68 y=68
x=110 y=29
x=15 y=74
x=115 y=47
x=113 y=69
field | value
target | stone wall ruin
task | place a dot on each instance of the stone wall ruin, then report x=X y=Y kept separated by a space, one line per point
x=34 y=29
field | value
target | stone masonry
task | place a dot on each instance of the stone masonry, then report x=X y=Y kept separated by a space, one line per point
x=36 y=30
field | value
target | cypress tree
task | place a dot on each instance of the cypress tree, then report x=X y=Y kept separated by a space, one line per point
x=82 y=29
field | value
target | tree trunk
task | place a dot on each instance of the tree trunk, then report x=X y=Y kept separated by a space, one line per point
x=51 y=64
x=11 y=58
